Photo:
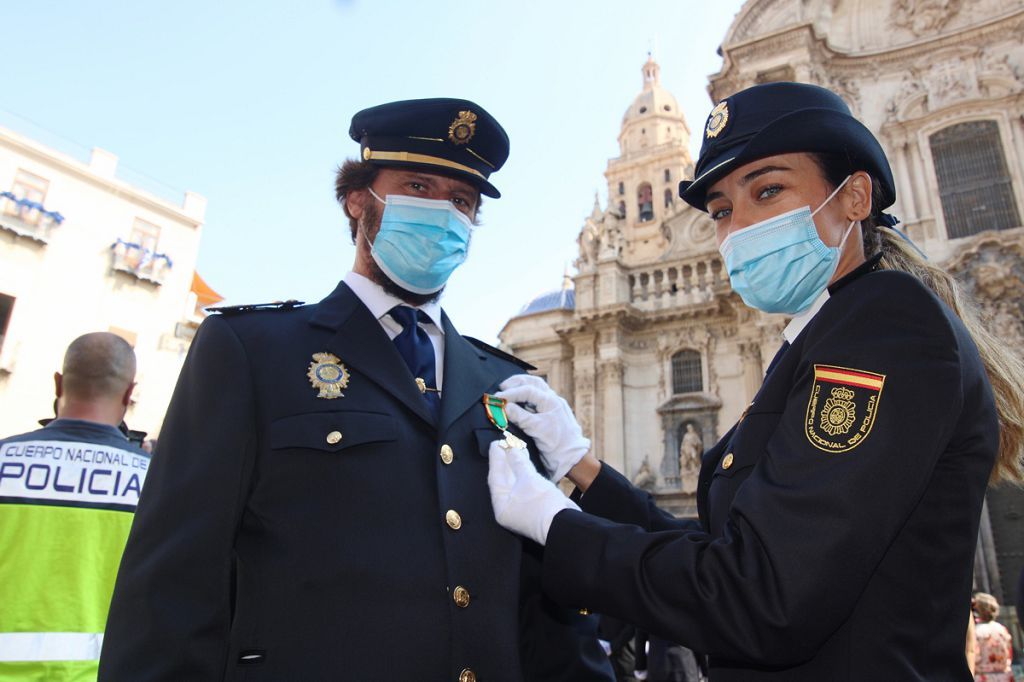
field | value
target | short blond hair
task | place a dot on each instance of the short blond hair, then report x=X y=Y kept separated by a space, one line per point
x=986 y=606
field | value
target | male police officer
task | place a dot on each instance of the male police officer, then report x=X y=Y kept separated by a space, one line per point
x=319 y=509
x=67 y=493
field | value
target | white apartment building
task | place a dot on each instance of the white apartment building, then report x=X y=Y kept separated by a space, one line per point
x=83 y=249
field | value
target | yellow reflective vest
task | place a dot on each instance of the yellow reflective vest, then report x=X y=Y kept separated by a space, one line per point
x=68 y=493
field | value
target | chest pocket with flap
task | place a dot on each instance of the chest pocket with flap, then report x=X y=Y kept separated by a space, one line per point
x=332 y=431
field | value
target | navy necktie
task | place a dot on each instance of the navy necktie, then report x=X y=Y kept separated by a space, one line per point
x=414 y=346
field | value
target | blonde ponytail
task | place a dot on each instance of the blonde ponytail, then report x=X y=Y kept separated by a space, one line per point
x=1004 y=367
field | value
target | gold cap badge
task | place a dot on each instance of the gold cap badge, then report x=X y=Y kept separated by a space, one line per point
x=328 y=375
x=717 y=120
x=462 y=128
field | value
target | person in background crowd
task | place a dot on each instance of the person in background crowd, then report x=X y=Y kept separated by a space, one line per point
x=838 y=518
x=67 y=495
x=971 y=650
x=616 y=638
x=993 y=660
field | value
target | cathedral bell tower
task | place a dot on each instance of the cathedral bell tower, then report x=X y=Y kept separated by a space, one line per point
x=653 y=157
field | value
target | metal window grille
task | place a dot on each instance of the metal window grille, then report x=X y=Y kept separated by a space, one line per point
x=687 y=376
x=974 y=183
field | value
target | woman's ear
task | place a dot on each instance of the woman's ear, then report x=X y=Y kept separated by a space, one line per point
x=857 y=196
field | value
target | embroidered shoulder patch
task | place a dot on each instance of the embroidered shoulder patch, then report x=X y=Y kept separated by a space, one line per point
x=842 y=407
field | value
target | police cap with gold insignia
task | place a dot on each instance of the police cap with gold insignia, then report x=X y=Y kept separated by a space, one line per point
x=452 y=137
x=780 y=118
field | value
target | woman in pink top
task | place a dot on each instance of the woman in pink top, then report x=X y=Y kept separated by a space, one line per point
x=995 y=650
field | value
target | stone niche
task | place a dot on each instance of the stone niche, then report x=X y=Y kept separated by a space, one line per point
x=689 y=422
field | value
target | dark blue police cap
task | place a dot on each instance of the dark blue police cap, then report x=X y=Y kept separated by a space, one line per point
x=453 y=137
x=779 y=118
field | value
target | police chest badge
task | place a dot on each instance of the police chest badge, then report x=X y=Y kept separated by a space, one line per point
x=328 y=375
x=842 y=407
x=495 y=407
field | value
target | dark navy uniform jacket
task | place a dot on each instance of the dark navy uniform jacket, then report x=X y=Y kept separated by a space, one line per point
x=838 y=518
x=265 y=550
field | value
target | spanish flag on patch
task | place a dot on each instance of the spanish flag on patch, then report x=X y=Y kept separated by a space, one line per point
x=842 y=407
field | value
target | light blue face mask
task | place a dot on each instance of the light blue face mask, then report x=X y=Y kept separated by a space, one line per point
x=420 y=241
x=780 y=265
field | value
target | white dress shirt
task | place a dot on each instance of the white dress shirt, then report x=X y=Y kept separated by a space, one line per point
x=801 y=320
x=380 y=303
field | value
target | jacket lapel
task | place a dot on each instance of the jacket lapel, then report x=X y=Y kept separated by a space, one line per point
x=361 y=342
x=467 y=376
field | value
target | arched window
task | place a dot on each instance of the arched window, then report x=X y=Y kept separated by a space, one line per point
x=687 y=376
x=668 y=198
x=974 y=183
x=622 y=188
x=622 y=209
x=645 y=202
x=668 y=174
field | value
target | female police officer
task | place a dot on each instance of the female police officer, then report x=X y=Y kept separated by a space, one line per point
x=839 y=516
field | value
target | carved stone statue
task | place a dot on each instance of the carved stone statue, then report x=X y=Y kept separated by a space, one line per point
x=690 y=450
x=924 y=16
x=644 y=478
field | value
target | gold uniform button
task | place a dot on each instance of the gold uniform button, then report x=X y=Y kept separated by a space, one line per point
x=461 y=596
x=446 y=454
x=467 y=675
x=584 y=612
x=334 y=437
x=727 y=461
x=453 y=519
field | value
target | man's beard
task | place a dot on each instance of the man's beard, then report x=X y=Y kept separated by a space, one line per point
x=371 y=219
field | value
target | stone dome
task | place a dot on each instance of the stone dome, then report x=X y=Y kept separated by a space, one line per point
x=560 y=299
x=653 y=99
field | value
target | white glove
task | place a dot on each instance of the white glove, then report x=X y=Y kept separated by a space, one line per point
x=524 y=501
x=554 y=428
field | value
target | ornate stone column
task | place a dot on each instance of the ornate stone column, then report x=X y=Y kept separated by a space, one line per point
x=906 y=190
x=613 y=446
x=925 y=204
x=750 y=356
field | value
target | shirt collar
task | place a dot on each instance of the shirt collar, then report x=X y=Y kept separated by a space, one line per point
x=85 y=425
x=801 y=320
x=797 y=324
x=380 y=302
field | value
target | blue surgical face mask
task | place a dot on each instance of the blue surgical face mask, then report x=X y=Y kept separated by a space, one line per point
x=420 y=241
x=780 y=265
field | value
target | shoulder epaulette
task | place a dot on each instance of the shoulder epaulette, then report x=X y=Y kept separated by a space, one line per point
x=250 y=307
x=488 y=348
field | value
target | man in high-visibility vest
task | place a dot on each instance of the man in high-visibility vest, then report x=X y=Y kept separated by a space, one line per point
x=68 y=493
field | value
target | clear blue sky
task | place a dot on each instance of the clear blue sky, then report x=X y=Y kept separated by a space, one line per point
x=248 y=103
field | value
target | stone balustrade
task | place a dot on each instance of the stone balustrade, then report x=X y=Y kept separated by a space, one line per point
x=692 y=281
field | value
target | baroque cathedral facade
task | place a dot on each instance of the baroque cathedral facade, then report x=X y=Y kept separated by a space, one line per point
x=648 y=342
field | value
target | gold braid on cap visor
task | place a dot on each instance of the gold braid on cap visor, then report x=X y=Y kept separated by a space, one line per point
x=370 y=155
